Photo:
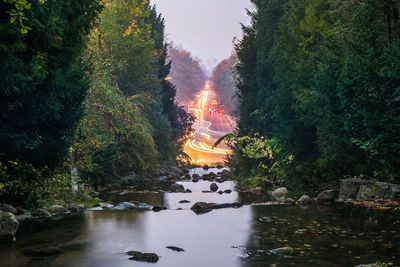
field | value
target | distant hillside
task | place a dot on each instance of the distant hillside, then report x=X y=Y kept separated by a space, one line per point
x=224 y=83
x=186 y=73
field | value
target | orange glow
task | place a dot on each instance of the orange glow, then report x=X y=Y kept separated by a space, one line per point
x=209 y=127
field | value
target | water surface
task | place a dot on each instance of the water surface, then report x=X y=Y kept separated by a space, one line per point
x=322 y=236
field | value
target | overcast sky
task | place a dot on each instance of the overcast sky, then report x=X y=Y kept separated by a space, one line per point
x=204 y=27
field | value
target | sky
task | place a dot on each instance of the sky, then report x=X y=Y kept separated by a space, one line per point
x=206 y=28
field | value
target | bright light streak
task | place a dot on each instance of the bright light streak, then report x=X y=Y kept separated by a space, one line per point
x=199 y=147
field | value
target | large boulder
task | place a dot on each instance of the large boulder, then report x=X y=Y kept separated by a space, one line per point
x=23 y=215
x=41 y=213
x=76 y=208
x=326 y=197
x=378 y=190
x=280 y=194
x=57 y=209
x=177 y=188
x=8 y=208
x=214 y=187
x=348 y=188
x=304 y=200
x=8 y=226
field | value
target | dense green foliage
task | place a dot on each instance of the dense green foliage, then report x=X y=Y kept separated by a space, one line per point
x=84 y=84
x=322 y=77
x=131 y=118
x=43 y=79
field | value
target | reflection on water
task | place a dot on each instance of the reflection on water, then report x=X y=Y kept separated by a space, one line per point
x=322 y=236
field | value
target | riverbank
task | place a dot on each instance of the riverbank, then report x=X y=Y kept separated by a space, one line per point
x=216 y=226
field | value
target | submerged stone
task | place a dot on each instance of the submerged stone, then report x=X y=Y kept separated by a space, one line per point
x=145 y=257
x=283 y=251
x=42 y=252
x=177 y=249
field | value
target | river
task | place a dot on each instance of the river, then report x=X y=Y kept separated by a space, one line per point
x=233 y=237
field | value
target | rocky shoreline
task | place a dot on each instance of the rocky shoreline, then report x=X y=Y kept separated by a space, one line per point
x=352 y=191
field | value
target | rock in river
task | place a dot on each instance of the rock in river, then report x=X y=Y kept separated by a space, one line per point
x=220 y=180
x=326 y=197
x=379 y=190
x=177 y=188
x=349 y=187
x=280 y=193
x=177 y=249
x=57 y=209
x=41 y=213
x=75 y=208
x=214 y=187
x=132 y=206
x=8 y=208
x=8 y=226
x=202 y=207
x=266 y=219
x=184 y=201
x=283 y=251
x=106 y=206
x=304 y=200
x=158 y=208
x=140 y=256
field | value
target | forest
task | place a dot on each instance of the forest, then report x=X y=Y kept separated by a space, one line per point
x=84 y=86
x=119 y=148
x=319 y=93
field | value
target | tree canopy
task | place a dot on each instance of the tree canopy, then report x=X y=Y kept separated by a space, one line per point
x=322 y=77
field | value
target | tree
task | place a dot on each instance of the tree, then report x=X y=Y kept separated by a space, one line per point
x=322 y=78
x=43 y=79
